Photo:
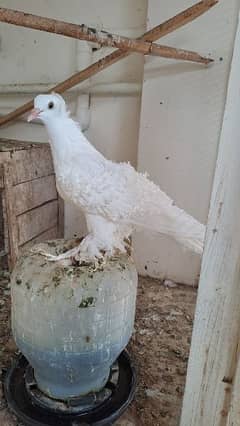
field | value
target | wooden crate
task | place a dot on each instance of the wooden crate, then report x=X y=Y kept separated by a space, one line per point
x=30 y=208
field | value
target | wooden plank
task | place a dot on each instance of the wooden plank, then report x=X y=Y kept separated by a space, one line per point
x=29 y=195
x=5 y=156
x=212 y=394
x=32 y=164
x=36 y=221
x=30 y=210
x=10 y=145
x=5 y=222
x=60 y=217
x=2 y=240
x=12 y=229
x=1 y=177
x=3 y=261
x=49 y=234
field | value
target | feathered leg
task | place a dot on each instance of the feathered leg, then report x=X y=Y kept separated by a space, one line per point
x=103 y=240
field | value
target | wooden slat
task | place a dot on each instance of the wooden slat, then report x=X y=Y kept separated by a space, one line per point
x=10 y=212
x=31 y=210
x=8 y=147
x=5 y=222
x=11 y=145
x=5 y=156
x=46 y=235
x=36 y=221
x=1 y=177
x=32 y=164
x=3 y=261
x=60 y=217
x=29 y=195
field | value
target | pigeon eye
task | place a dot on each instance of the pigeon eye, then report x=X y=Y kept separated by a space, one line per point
x=50 y=105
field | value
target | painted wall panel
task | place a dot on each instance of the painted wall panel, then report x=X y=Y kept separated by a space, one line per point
x=181 y=117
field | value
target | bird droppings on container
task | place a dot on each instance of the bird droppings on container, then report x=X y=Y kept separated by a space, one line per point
x=52 y=244
x=28 y=285
x=88 y=302
x=71 y=294
x=77 y=272
x=121 y=267
x=64 y=249
x=57 y=277
x=43 y=289
x=56 y=281
x=69 y=272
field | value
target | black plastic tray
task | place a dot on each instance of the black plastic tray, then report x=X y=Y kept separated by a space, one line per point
x=31 y=414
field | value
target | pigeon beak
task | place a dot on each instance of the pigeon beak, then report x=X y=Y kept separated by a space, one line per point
x=34 y=114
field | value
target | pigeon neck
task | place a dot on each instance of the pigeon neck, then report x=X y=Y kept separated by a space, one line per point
x=65 y=134
x=67 y=141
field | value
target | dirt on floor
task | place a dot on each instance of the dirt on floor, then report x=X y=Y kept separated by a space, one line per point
x=159 y=346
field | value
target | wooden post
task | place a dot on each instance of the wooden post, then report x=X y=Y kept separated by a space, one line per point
x=104 y=38
x=212 y=394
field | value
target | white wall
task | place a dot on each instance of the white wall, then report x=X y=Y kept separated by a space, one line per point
x=182 y=104
x=181 y=117
x=31 y=61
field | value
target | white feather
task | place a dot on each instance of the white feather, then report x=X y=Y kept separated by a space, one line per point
x=114 y=196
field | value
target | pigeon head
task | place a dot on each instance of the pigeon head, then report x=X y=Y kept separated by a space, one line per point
x=47 y=107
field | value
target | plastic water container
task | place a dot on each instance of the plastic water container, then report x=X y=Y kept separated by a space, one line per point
x=72 y=322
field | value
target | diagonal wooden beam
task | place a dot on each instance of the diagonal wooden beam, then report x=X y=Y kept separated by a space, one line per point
x=104 y=38
x=157 y=32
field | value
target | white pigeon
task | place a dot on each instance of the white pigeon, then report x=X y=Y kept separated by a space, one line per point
x=115 y=198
